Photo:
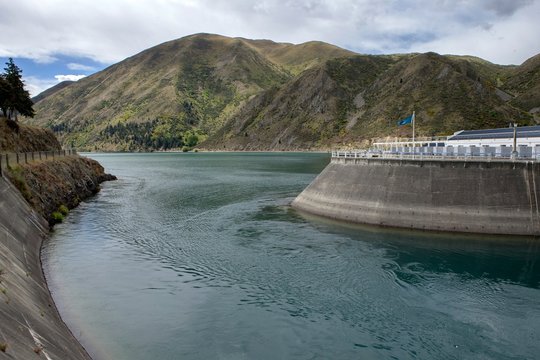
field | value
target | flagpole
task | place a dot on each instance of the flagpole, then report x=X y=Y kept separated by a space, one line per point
x=413 y=144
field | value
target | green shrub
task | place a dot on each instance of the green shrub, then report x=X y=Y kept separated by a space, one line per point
x=63 y=209
x=3 y=347
x=57 y=217
x=185 y=149
x=190 y=139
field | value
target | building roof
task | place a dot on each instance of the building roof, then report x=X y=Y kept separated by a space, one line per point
x=503 y=133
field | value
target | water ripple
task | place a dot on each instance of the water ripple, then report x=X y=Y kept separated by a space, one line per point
x=200 y=257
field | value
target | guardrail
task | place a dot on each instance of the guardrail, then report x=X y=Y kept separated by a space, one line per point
x=421 y=156
x=389 y=140
x=13 y=159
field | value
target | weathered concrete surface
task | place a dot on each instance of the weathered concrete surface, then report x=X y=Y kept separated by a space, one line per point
x=464 y=196
x=30 y=325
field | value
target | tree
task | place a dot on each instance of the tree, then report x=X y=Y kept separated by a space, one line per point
x=4 y=94
x=190 y=139
x=14 y=99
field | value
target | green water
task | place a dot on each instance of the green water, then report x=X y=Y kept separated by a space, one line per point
x=199 y=256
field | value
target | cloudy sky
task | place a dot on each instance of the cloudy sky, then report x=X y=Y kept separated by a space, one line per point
x=54 y=40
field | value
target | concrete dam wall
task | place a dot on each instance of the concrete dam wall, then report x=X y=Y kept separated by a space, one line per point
x=446 y=195
x=30 y=326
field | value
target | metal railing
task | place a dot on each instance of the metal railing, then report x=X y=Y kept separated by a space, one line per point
x=367 y=154
x=392 y=140
x=13 y=159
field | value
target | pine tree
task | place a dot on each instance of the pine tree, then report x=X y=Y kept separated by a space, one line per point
x=4 y=93
x=14 y=99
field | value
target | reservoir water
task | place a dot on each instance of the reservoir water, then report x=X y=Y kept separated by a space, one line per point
x=199 y=256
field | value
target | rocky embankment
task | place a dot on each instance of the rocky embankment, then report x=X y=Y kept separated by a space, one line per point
x=63 y=182
x=34 y=196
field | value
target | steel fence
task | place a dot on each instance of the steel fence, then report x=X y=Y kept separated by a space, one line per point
x=13 y=159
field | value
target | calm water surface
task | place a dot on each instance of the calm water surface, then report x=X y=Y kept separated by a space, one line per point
x=198 y=256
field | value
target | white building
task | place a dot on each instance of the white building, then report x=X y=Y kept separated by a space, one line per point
x=489 y=142
x=525 y=136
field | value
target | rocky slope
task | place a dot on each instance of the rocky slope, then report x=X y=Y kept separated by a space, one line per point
x=524 y=86
x=349 y=100
x=235 y=93
x=47 y=185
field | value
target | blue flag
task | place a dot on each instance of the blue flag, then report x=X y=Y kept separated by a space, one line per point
x=405 y=121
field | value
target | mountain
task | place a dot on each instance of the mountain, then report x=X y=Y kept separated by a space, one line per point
x=524 y=85
x=297 y=58
x=179 y=89
x=52 y=90
x=347 y=101
x=234 y=93
x=306 y=112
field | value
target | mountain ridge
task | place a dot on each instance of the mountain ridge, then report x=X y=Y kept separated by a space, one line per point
x=221 y=93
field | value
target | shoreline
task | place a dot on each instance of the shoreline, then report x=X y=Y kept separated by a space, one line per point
x=208 y=151
x=53 y=302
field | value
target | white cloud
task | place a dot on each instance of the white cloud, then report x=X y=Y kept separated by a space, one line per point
x=61 y=78
x=81 y=67
x=511 y=40
x=109 y=31
x=36 y=85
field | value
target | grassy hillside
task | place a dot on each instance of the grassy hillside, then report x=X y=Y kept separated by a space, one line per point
x=52 y=90
x=232 y=93
x=347 y=101
x=297 y=58
x=164 y=96
x=16 y=137
x=447 y=94
x=524 y=85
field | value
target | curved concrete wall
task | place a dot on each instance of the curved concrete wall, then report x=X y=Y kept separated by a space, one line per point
x=30 y=326
x=465 y=196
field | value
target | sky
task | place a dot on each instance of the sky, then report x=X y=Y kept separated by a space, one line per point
x=56 y=40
